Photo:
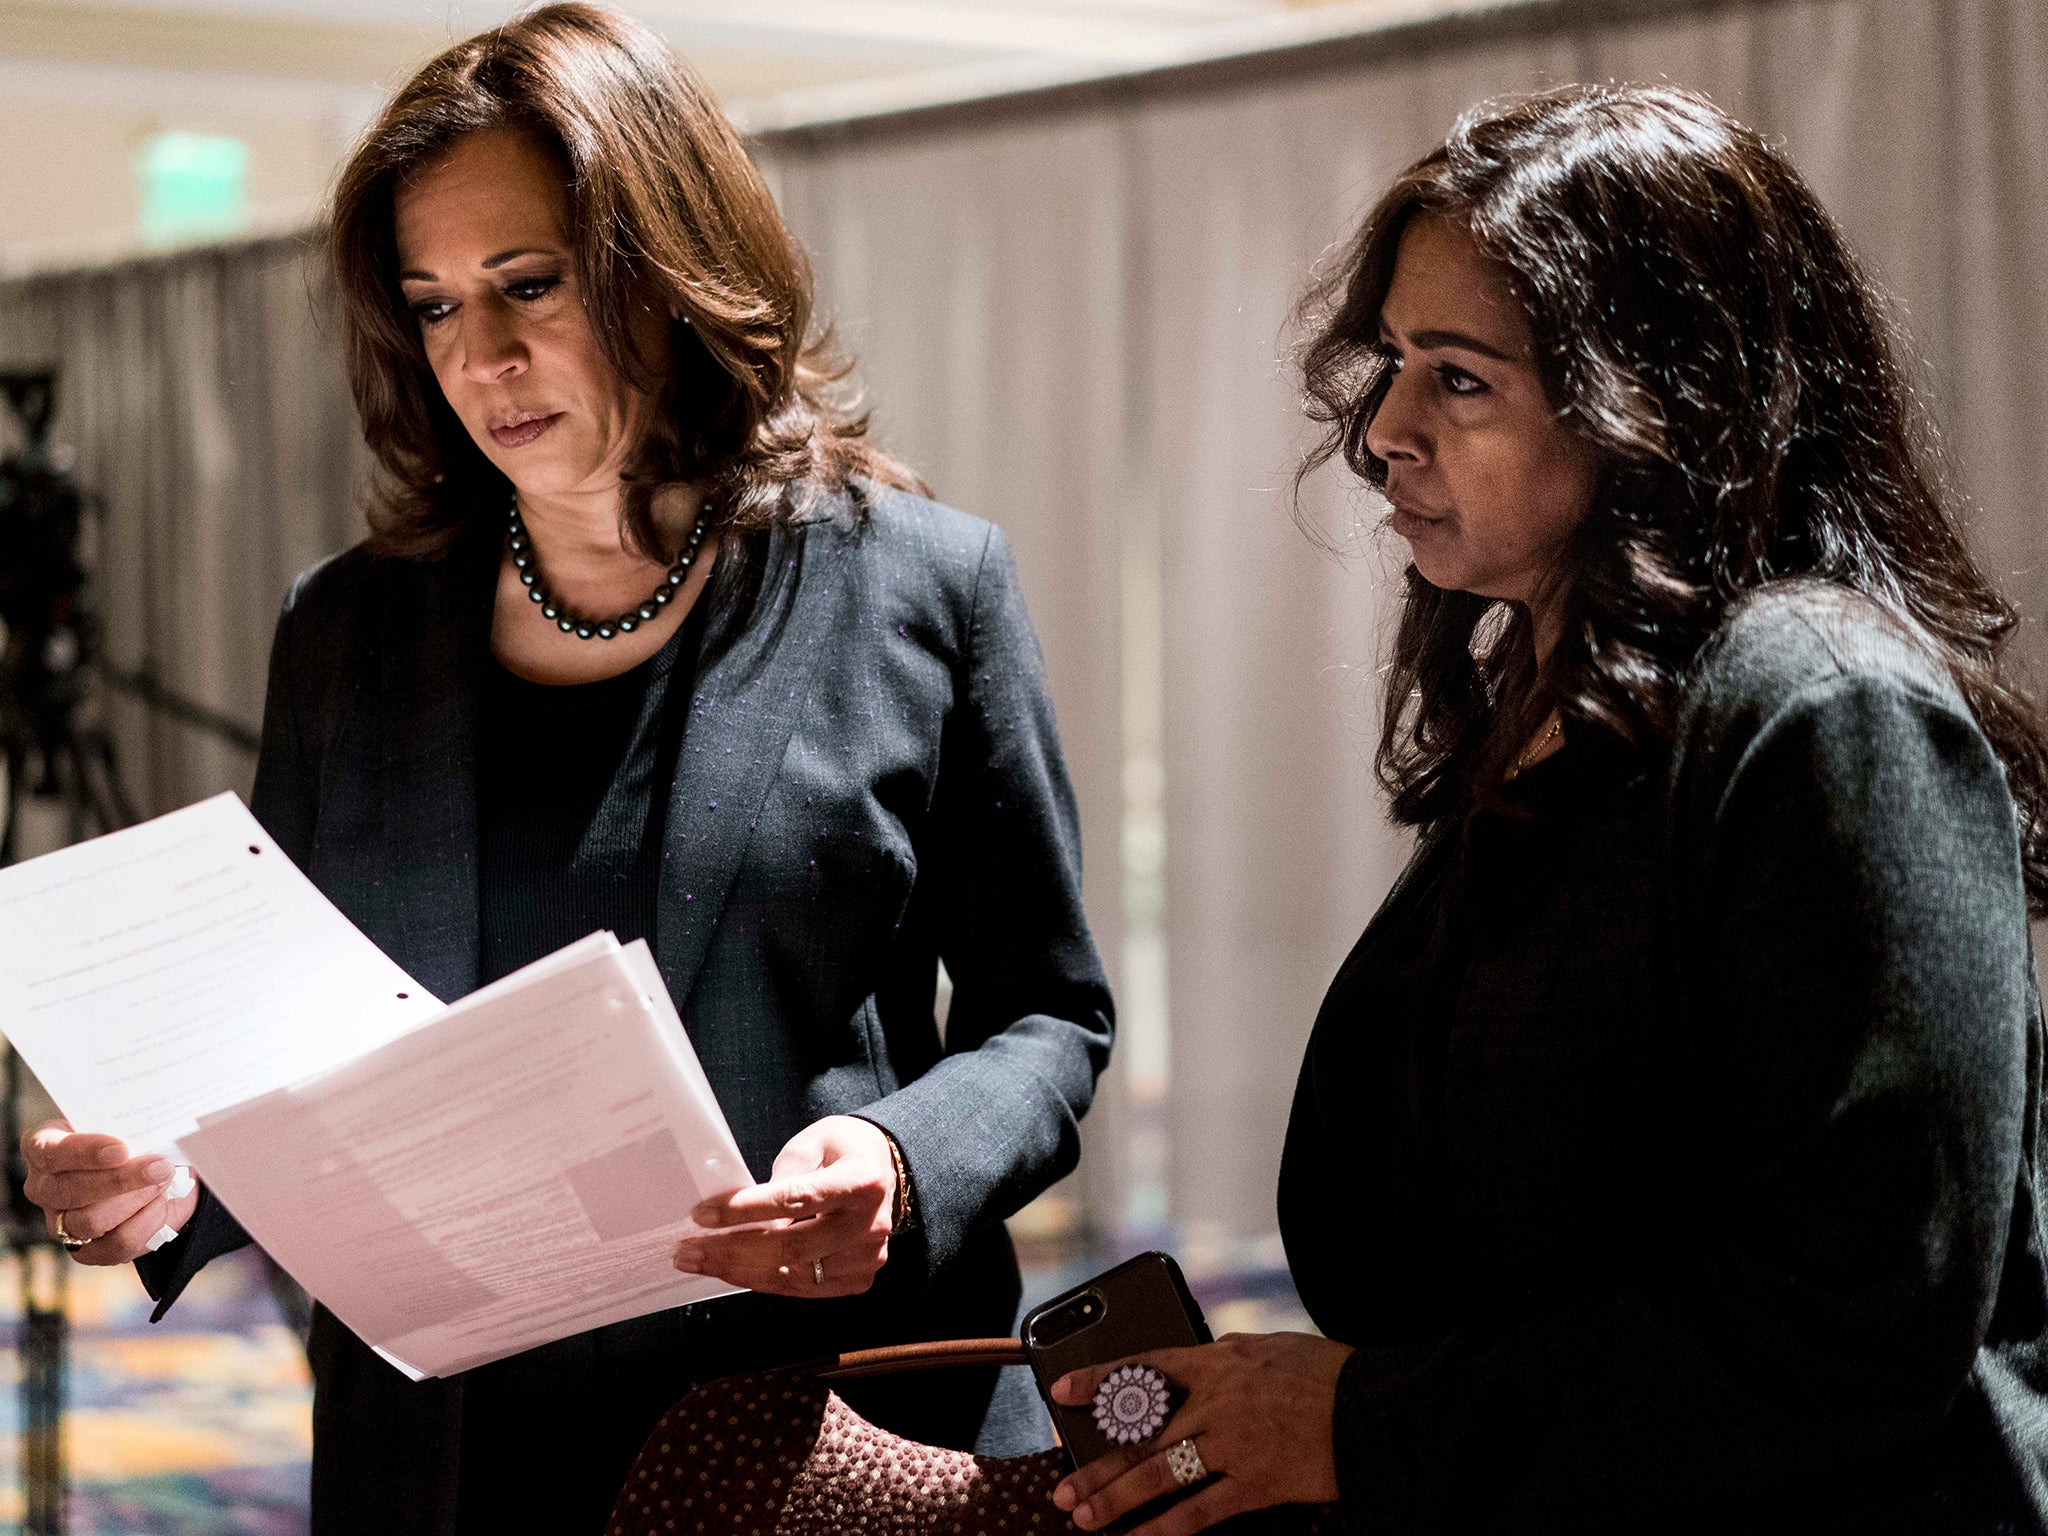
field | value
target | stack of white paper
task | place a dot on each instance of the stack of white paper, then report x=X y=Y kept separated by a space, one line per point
x=456 y=1184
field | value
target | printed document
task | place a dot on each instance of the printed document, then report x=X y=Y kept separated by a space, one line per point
x=455 y=1184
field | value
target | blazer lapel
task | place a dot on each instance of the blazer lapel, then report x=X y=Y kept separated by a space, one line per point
x=436 y=640
x=745 y=706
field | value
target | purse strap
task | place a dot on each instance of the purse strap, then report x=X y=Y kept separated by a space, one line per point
x=893 y=1359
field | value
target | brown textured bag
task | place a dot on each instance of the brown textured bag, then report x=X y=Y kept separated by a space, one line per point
x=778 y=1453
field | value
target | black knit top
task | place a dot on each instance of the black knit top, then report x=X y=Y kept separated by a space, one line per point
x=572 y=797
x=569 y=817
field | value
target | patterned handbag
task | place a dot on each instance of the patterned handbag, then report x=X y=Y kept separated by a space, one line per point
x=778 y=1453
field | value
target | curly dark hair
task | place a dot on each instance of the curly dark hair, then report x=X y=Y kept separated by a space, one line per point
x=1700 y=319
x=666 y=210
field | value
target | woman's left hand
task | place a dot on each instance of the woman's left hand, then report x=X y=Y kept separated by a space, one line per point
x=818 y=1227
x=1258 y=1407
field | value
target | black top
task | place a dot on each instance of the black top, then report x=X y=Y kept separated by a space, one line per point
x=1670 y=1155
x=569 y=828
x=1380 y=1259
x=569 y=834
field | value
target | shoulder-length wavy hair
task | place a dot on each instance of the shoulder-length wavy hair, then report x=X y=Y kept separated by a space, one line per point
x=666 y=211
x=1699 y=319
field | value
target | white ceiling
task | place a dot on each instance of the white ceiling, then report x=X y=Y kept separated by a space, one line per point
x=748 y=48
x=1076 y=26
x=83 y=82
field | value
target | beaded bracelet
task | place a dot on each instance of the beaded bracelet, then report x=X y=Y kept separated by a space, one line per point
x=903 y=1215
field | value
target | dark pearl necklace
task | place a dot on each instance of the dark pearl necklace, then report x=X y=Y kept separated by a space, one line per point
x=520 y=542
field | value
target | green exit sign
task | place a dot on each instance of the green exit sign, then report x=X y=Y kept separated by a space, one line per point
x=193 y=186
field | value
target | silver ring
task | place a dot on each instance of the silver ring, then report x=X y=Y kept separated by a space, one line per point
x=817 y=1271
x=72 y=1244
x=1185 y=1463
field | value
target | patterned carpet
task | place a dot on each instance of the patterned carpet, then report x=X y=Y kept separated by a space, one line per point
x=199 y=1426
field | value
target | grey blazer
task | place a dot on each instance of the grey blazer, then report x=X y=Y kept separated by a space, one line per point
x=870 y=780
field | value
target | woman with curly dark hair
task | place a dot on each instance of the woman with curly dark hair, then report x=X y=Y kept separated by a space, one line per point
x=1665 y=1154
x=648 y=637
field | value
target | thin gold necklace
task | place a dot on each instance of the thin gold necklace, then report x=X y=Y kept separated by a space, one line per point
x=1534 y=750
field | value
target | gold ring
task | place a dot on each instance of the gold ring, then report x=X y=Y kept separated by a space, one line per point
x=73 y=1244
x=1185 y=1462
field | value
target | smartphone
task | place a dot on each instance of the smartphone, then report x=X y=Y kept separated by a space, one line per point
x=1143 y=1304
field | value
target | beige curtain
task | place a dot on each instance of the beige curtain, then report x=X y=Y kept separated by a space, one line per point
x=202 y=402
x=1071 y=310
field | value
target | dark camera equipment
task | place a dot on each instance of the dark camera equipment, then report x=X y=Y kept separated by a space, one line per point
x=50 y=652
x=51 y=635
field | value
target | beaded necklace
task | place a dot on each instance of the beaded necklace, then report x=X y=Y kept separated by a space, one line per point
x=520 y=543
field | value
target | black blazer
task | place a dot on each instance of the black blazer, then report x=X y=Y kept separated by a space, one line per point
x=1739 y=1164
x=870 y=780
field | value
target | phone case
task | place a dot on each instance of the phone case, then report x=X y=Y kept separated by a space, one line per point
x=1145 y=1306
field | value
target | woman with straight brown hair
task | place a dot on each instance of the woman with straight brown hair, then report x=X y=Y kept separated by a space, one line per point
x=647 y=637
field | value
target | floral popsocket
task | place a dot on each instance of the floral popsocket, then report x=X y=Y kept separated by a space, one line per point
x=1132 y=1404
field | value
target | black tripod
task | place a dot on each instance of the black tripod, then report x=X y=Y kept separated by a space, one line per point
x=48 y=632
x=49 y=656
x=45 y=1270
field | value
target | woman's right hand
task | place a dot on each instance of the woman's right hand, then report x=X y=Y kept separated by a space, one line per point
x=116 y=1202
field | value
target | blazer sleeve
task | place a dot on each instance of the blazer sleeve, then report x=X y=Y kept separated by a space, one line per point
x=1856 y=956
x=283 y=801
x=996 y=1119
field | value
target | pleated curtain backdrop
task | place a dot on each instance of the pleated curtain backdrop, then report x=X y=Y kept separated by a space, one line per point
x=201 y=398
x=1072 y=313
